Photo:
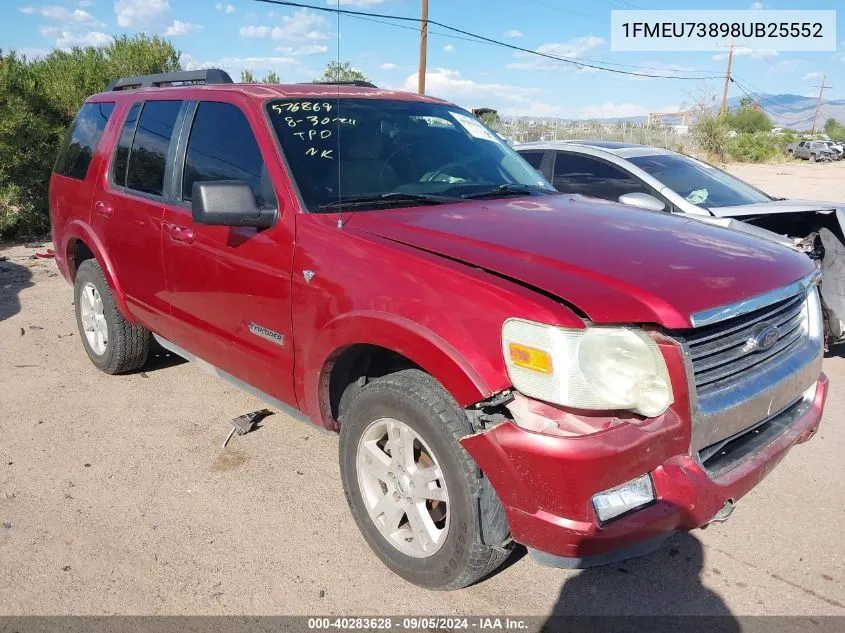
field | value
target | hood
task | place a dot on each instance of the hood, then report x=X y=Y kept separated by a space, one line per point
x=614 y=263
x=744 y=227
x=775 y=207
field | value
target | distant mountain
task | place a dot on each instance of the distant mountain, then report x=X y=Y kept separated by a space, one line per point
x=795 y=111
x=785 y=110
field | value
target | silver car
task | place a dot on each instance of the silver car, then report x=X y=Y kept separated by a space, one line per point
x=659 y=180
x=812 y=150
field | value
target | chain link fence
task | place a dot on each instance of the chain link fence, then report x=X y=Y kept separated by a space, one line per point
x=657 y=136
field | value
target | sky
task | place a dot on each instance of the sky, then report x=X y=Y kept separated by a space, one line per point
x=298 y=43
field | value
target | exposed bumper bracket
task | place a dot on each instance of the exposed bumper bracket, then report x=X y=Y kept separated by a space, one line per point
x=614 y=556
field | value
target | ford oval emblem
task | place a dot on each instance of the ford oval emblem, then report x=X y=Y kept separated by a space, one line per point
x=763 y=337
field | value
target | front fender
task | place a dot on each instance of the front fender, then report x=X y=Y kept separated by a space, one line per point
x=422 y=346
x=78 y=230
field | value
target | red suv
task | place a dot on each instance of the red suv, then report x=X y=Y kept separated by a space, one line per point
x=503 y=363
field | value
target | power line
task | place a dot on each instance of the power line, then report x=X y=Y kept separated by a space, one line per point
x=756 y=93
x=416 y=30
x=757 y=98
x=475 y=41
x=580 y=63
x=623 y=3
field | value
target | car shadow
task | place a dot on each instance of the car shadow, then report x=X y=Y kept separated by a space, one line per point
x=13 y=279
x=837 y=350
x=159 y=358
x=658 y=592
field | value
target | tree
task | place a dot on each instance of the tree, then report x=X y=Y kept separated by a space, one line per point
x=342 y=71
x=746 y=103
x=40 y=98
x=710 y=130
x=834 y=129
x=248 y=78
x=712 y=134
x=490 y=119
x=748 y=120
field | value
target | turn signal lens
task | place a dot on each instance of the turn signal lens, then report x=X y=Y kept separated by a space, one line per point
x=530 y=358
x=623 y=499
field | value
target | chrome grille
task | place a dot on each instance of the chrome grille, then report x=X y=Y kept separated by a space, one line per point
x=722 y=353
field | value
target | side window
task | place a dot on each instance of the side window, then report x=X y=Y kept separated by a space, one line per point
x=81 y=140
x=535 y=159
x=148 y=156
x=223 y=147
x=588 y=176
x=121 y=154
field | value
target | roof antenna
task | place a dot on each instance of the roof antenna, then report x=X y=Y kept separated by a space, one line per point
x=337 y=132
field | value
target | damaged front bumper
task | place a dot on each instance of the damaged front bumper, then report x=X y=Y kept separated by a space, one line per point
x=546 y=482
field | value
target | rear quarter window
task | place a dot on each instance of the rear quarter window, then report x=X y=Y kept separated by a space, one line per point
x=81 y=140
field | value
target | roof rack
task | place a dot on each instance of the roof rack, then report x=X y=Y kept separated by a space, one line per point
x=190 y=77
x=357 y=83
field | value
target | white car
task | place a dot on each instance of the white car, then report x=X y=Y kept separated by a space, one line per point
x=837 y=147
x=659 y=180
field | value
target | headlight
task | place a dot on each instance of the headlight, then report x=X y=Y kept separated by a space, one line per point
x=814 y=323
x=594 y=368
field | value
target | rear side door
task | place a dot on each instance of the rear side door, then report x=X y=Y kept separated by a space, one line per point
x=228 y=288
x=128 y=210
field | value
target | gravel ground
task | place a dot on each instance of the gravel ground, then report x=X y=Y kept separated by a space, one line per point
x=115 y=496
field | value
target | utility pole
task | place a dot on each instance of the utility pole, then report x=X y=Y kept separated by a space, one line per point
x=423 y=46
x=727 y=80
x=822 y=88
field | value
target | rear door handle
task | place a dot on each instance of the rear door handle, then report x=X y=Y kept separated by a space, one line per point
x=180 y=234
x=104 y=209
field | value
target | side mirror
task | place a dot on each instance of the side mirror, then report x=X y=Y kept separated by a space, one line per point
x=642 y=201
x=228 y=203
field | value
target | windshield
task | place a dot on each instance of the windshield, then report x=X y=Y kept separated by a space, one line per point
x=360 y=150
x=699 y=183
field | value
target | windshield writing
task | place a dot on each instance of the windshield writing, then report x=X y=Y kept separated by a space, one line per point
x=353 y=149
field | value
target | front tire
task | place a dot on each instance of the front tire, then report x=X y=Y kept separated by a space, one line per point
x=417 y=496
x=114 y=345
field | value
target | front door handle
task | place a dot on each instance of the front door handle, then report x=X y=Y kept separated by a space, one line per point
x=103 y=208
x=181 y=234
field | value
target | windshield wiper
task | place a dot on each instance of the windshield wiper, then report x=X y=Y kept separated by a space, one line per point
x=509 y=189
x=387 y=198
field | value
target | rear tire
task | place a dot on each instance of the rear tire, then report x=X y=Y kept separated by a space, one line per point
x=410 y=409
x=114 y=345
x=812 y=158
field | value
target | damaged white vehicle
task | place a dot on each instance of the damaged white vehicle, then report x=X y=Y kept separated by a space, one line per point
x=660 y=180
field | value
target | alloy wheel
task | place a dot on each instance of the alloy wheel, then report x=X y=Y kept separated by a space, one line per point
x=93 y=319
x=403 y=487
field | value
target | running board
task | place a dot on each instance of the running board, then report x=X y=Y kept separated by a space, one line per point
x=237 y=382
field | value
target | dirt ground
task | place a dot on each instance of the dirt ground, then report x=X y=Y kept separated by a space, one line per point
x=115 y=496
